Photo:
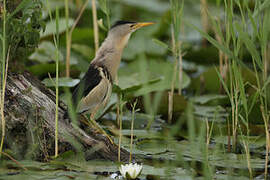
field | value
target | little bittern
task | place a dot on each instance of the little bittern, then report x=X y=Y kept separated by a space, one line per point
x=94 y=90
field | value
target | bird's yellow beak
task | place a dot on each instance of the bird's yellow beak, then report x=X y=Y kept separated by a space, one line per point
x=142 y=24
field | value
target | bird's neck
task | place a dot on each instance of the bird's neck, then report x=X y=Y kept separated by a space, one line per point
x=110 y=53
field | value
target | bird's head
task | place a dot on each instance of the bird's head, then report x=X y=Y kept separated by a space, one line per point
x=122 y=30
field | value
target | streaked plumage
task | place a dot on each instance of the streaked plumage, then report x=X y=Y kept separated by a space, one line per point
x=94 y=90
x=96 y=78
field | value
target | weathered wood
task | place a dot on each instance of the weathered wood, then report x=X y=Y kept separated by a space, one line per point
x=30 y=119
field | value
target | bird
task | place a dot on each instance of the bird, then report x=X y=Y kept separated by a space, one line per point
x=94 y=90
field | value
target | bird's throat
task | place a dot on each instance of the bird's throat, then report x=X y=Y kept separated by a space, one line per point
x=110 y=54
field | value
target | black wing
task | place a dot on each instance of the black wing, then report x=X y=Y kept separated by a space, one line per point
x=90 y=80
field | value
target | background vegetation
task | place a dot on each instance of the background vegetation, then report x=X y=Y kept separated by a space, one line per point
x=196 y=83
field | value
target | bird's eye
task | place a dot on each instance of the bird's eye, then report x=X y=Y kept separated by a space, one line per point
x=132 y=25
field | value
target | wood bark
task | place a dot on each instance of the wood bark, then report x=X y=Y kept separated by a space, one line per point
x=30 y=125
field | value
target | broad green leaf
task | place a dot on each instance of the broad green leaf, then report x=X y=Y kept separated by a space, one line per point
x=46 y=52
x=203 y=99
x=213 y=113
x=51 y=27
x=42 y=69
x=157 y=70
x=84 y=36
x=133 y=82
x=83 y=49
x=141 y=43
x=63 y=82
x=167 y=172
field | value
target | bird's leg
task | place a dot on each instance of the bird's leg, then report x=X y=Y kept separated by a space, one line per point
x=96 y=125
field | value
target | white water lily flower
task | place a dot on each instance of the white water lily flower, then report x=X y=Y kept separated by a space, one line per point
x=130 y=171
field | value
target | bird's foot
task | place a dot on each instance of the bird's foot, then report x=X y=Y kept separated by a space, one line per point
x=99 y=129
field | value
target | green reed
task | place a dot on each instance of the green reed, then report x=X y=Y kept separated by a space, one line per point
x=236 y=38
x=3 y=62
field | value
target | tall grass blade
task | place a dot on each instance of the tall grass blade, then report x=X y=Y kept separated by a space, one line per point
x=250 y=45
x=262 y=7
x=211 y=40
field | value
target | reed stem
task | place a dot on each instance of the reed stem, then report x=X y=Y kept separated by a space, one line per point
x=95 y=23
x=132 y=128
x=57 y=81
x=3 y=77
x=67 y=39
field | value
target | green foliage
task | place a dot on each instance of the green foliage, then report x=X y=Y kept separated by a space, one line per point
x=45 y=53
x=213 y=104
x=159 y=77
x=104 y=5
x=51 y=27
x=63 y=82
x=23 y=27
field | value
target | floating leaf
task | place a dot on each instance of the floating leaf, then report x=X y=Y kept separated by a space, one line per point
x=216 y=113
x=203 y=99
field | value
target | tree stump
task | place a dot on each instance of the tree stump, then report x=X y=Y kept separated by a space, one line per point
x=30 y=125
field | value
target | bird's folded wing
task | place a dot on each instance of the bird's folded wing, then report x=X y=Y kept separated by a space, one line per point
x=97 y=97
x=90 y=80
x=92 y=89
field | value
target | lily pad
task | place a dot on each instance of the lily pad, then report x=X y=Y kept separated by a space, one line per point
x=205 y=99
x=213 y=113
